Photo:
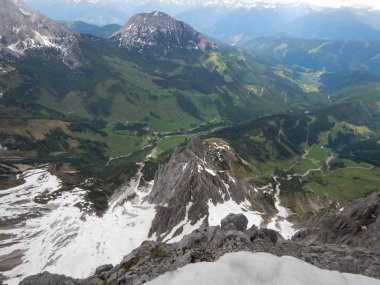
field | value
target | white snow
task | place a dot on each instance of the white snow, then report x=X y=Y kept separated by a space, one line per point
x=218 y=212
x=279 y=222
x=45 y=41
x=221 y=145
x=62 y=238
x=13 y=47
x=200 y=168
x=212 y=172
x=20 y=6
x=231 y=178
x=245 y=268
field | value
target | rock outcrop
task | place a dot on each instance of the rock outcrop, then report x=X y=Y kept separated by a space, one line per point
x=357 y=224
x=205 y=174
x=152 y=259
x=157 y=33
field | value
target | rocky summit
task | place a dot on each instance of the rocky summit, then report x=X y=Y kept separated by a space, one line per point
x=21 y=29
x=159 y=34
x=153 y=259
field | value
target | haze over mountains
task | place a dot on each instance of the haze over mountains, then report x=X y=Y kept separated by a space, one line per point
x=231 y=21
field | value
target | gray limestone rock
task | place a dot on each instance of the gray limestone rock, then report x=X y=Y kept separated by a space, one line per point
x=103 y=268
x=239 y=222
x=357 y=224
x=157 y=33
x=48 y=279
x=203 y=172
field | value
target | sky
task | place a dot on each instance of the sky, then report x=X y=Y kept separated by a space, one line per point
x=323 y=3
x=335 y=3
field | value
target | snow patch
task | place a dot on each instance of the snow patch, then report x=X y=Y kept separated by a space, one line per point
x=231 y=178
x=245 y=268
x=24 y=12
x=212 y=172
x=279 y=222
x=200 y=168
x=62 y=235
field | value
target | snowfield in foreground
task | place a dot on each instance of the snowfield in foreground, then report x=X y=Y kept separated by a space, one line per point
x=245 y=268
x=58 y=237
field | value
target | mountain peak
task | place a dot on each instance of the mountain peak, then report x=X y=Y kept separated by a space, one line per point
x=21 y=29
x=158 y=33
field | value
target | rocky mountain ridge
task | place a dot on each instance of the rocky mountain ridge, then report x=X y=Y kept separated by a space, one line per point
x=22 y=29
x=159 y=33
x=197 y=183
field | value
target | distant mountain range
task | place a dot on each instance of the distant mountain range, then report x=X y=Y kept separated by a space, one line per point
x=291 y=21
x=99 y=31
x=233 y=22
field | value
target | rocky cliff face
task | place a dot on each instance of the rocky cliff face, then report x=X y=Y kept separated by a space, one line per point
x=357 y=224
x=152 y=259
x=199 y=182
x=158 y=33
x=22 y=29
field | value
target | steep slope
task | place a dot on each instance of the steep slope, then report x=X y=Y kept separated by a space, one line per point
x=200 y=183
x=22 y=30
x=357 y=224
x=157 y=32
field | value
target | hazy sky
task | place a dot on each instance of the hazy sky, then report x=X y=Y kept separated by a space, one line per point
x=323 y=3
x=332 y=3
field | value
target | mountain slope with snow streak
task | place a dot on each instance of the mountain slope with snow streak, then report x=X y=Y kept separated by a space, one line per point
x=21 y=29
x=159 y=33
x=201 y=184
